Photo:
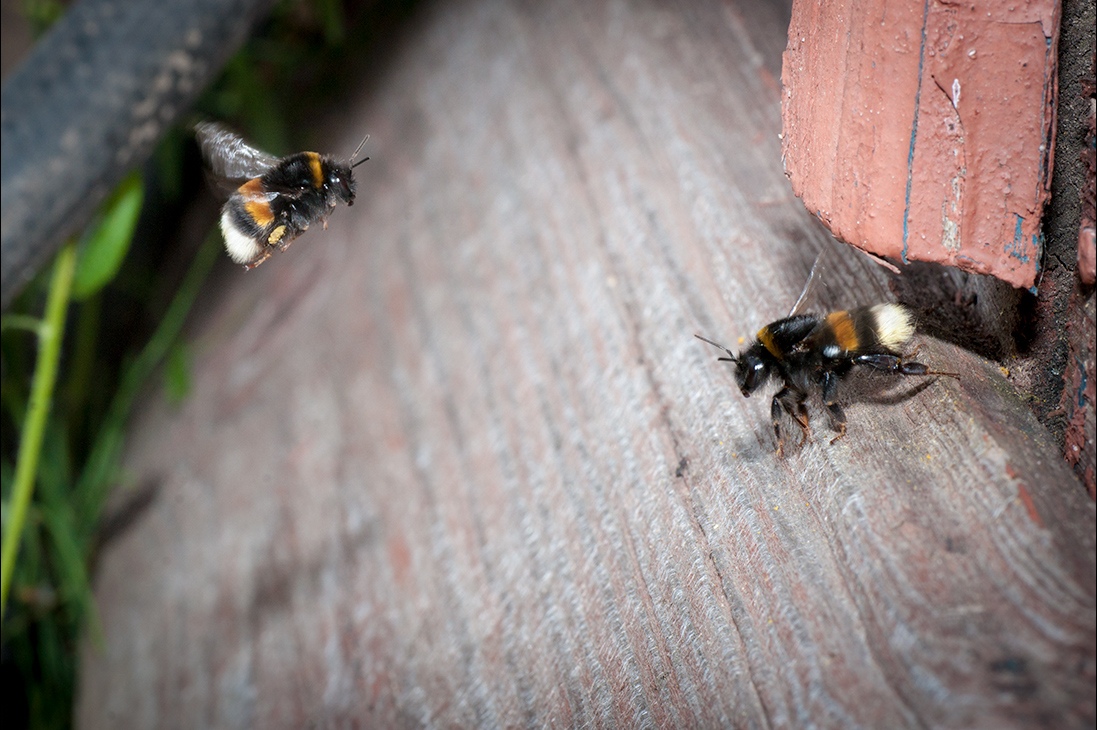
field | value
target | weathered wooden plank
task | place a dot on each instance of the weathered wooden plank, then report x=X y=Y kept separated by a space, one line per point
x=458 y=460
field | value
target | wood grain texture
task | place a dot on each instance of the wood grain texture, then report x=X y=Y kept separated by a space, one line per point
x=458 y=461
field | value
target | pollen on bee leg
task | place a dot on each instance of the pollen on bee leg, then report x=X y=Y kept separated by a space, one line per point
x=276 y=235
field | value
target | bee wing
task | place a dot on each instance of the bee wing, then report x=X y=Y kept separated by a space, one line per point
x=228 y=155
x=816 y=279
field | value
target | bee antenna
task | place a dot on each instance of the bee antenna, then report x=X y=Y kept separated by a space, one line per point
x=731 y=355
x=357 y=150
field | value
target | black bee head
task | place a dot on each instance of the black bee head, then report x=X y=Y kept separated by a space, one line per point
x=751 y=372
x=751 y=367
x=341 y=182
x=343 y=175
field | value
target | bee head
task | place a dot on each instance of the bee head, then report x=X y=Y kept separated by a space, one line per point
x=751 y=371
x=343 y=175
x=341 y=182
x=751 y=367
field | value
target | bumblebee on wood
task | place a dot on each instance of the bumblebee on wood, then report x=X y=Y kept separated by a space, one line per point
x=277 y=199
x=812 y=354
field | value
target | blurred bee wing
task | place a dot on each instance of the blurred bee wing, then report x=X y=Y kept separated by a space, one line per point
x=228 y=155
x=221 y=185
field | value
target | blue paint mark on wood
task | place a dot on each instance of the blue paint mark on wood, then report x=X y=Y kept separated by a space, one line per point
x=914 y=131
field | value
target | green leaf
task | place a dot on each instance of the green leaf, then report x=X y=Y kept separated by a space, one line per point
x=106 y=243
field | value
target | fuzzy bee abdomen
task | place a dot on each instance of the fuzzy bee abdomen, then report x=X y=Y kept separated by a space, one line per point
x=879 y=328
x=255 y=218
x=246 y=221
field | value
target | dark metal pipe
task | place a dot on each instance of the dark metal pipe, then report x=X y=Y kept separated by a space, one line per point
x=90 y=101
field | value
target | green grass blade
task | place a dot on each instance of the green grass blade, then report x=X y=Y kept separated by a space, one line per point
x=50 y=335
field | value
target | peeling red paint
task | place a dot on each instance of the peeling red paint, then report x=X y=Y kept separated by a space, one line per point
x=925 y=131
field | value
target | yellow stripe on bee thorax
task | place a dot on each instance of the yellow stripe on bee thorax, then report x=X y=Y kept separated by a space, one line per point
x=845 y=333
x=766 y=338
x=317 y=170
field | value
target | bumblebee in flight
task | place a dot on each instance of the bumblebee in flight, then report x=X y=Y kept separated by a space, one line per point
x=277 y=199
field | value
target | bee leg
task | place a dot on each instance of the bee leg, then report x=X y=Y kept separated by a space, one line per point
x=267 y=251
x=829 y=383
x=887 y=363
x=895 y=365
x=839 y=417
x=792 y=402
x=801 y=417
x=284 y=233
x=286 y=241
x=775 y=416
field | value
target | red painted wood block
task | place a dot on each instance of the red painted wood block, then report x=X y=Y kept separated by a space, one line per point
x=925 y=131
